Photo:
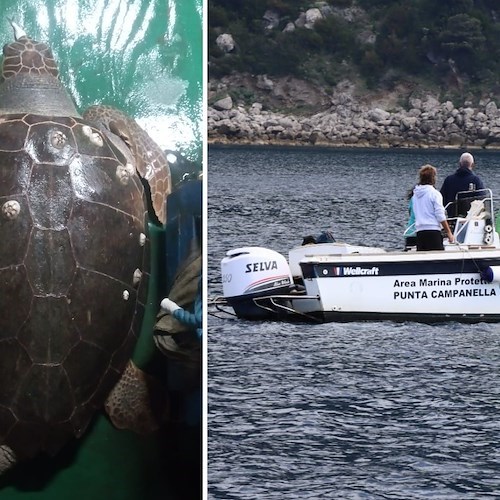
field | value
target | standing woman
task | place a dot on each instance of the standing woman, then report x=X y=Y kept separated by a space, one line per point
x=429 y=211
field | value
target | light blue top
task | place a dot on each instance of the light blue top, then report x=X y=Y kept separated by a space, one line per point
x=410 y=226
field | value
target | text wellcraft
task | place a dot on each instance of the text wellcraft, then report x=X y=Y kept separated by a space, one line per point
x=340 y=282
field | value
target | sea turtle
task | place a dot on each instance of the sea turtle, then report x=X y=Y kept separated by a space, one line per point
x=74 y=251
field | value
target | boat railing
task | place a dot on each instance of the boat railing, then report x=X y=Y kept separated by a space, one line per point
x=463 y=200
x=468 y=206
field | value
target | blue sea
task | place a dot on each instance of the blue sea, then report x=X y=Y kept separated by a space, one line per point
x=362 y=410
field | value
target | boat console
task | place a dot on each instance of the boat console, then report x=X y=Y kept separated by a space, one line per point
x=474 y=226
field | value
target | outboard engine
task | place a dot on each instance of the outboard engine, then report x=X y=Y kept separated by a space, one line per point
x=251 y=273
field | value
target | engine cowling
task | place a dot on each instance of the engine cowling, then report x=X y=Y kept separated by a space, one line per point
x=253 y=272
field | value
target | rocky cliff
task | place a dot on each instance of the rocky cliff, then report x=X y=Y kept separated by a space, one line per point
x=357 y=87
x=289 y=112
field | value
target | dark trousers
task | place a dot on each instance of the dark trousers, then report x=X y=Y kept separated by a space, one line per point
x=410 y=241
x=429 y=240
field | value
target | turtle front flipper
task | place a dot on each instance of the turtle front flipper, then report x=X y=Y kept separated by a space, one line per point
x=149 y=160
x=137 y=402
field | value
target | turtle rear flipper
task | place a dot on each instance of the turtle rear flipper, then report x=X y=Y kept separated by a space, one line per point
x=7 y=458
x=137 y=402
x=148 y=158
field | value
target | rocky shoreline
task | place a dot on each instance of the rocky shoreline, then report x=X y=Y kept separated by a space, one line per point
x=425 y=123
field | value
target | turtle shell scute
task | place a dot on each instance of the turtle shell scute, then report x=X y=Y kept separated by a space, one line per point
x=16 y=299
x=56 y=276
x=15 y=171
x=91 y=142
x=7 y=420
x=114 y=255
x=14 y=233
x=44 y=395
x=15 y=365
x=50 y=212
x=50 y=142
x=84 y=366
x=89 y=300
x=97 y=181
x=54 y=345
x=13 y=133
x=31 y=119
x=26 y=438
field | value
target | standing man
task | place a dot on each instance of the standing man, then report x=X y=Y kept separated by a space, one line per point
x=462 y=180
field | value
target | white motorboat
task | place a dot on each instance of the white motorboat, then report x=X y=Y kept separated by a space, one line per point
x=341 y=282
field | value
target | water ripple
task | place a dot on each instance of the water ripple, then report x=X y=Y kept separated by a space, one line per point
x=368 y=410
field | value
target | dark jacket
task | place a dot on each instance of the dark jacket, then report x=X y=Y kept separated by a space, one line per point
x=459 y=181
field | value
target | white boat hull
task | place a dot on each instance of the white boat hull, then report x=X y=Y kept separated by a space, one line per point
x=430 y=286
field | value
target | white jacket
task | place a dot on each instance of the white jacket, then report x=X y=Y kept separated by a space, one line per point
x=428 y=208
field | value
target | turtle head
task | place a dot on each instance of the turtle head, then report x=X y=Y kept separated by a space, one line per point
x=26 y=56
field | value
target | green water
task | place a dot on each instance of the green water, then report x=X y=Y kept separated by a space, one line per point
x=144 y=57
